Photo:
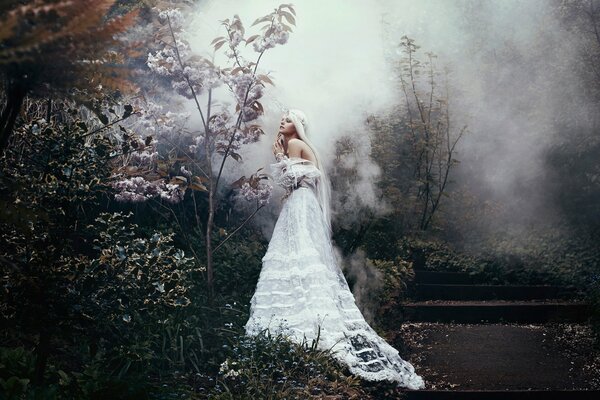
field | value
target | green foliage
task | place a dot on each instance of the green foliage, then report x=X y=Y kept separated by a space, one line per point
x=274 y=367
x=431 y=254
x=17 y=368
x=239 y=262
x=146 y=272
x=100 y=301
x=52 y=184
x=396 y=274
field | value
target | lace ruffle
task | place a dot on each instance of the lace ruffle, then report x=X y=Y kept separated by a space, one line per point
x=288 y=172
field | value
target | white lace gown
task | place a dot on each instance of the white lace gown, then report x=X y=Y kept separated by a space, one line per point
x=300 y=287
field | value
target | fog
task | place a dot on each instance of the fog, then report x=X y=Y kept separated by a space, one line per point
x=338 y=65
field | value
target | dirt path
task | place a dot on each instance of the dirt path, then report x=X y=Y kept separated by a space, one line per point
x=503 y=356
x=464 y=338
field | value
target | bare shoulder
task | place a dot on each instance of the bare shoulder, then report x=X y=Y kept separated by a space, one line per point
x=295 y=147
x=297 y=143
x=299 y=148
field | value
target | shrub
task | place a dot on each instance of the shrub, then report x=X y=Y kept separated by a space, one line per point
x=268 y=366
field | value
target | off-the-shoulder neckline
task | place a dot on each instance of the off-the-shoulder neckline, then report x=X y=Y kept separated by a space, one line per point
x=300 y=158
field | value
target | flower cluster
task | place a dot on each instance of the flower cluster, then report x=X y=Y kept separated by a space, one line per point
x=154 y=121
x=189 y=74
x=143 y=157
x=197 y=75
x=251 y=134
x=171 y=193
x=134 y=190
x=227 y=370
x=196 y=141
x=275 y=34
x=137 y=189
x=240 y=84
x=165 y=62
x=173 y=16
x=247 y=90
x=260 y=192
x=235 y=31
x=218 y=124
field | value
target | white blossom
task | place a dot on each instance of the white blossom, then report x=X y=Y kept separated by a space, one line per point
x=262 y=192
x=274 y=35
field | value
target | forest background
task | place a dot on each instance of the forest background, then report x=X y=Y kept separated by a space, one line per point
x=136 y=201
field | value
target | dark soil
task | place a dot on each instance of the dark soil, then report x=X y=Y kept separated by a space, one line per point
x=502 y=356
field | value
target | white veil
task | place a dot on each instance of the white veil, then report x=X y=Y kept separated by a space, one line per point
x=323 y=185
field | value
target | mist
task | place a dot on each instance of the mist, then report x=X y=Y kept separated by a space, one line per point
x=338 y=67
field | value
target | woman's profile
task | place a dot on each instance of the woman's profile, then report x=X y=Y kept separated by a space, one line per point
x=301 y=289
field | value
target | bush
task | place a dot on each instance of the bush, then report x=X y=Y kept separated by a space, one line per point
x=396 y=275
x=269 y=366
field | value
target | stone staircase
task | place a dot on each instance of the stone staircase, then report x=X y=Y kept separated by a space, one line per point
x=489 y=341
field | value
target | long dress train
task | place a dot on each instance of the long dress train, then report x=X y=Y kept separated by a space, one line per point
x=300 y=286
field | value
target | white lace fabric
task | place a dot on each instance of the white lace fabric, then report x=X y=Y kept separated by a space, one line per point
x=301 y=287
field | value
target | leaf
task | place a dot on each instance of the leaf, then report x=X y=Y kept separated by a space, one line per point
x=219 y=45
x=265 y=78
x=148 y=140
x=235 y=156
x=128 y=111
x=124 y=369
x=199 y=179
x=178 y=180
x=217 y=39
x=251 y=39
x=199 y=187
x=209 y=63
x=258 y=107
x=290 y=18
x=238 y=184
x=289 y=7
x=103 y=118
x=263 y=19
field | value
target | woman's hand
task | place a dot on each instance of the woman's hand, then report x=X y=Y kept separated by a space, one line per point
x=278 y=146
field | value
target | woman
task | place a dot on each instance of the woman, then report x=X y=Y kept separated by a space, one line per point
x=301 y=290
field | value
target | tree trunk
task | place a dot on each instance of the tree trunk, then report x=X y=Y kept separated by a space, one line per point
x=15 y=94
x=209 y=252
x=41 y=360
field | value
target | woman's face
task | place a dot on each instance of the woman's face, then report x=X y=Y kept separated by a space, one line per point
x=286 y=127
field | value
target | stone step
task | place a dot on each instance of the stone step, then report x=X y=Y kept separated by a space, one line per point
x=444 y=277
x=495 y=311
x=502 y=394
x=426 y=291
